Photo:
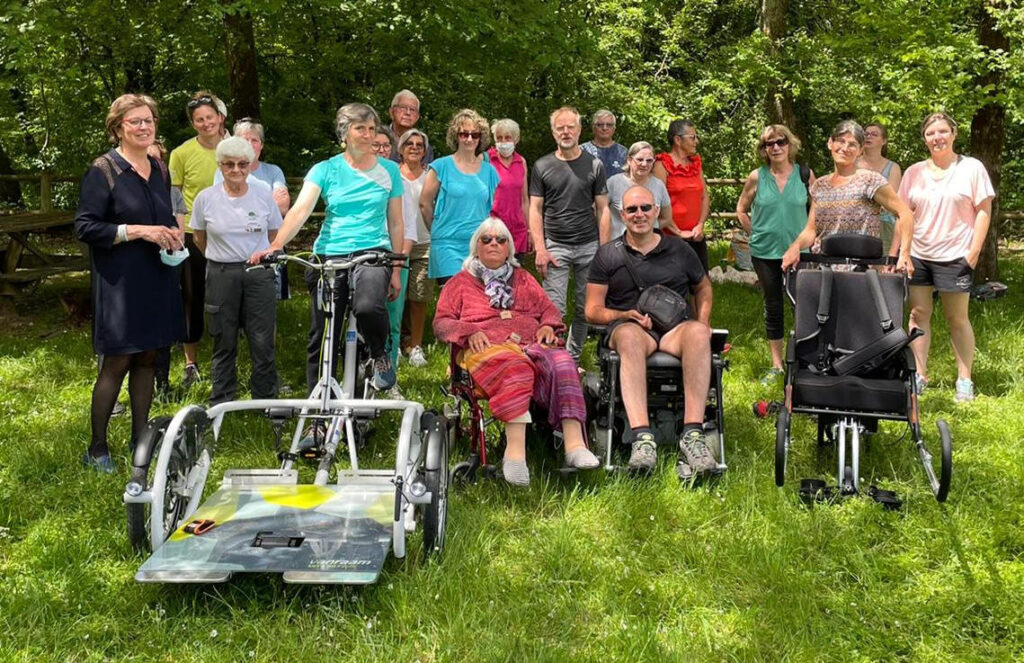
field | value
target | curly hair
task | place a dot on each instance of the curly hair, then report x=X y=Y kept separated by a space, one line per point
x=468 y=116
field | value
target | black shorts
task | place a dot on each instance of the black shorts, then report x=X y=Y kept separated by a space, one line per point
x=953 y=276
x=613 y=325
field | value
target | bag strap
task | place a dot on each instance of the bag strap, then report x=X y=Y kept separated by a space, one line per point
x=875 y=287
x=111 y=171
x=627 y=260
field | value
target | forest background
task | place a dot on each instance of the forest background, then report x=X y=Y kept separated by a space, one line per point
x=730 y=66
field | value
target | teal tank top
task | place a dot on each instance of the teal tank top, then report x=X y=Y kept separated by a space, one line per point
x=777 y=216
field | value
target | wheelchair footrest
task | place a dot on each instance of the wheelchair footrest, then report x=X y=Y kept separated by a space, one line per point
x=887 y=498
x=816 y=490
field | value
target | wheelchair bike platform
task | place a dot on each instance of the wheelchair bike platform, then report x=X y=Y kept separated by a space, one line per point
x=335 y=534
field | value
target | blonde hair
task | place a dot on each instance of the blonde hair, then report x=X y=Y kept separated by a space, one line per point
x=121 y=106
x=564 y=109
x=468 y=115
x=777 y=129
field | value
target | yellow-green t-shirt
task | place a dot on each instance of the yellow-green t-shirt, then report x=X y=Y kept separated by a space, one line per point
x=192 y=169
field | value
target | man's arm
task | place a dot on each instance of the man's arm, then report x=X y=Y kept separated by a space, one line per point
x=598 y=314
x=604 y=218
x=702 y=301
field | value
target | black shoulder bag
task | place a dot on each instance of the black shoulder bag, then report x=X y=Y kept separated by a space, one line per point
x=665 y=307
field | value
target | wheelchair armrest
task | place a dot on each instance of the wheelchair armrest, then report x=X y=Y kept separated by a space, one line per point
x=596 y=330
x=719 y=338
x=791 y=348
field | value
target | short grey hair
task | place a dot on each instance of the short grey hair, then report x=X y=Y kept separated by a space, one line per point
x=494 y=226
x=849 y=127
x=505 y=125
x=635 y=149
x=407 y=136
x=604 y=112
x=404 y=93
x=248 y=125
x=564 y=110
x=235 y=148
x=354 y=112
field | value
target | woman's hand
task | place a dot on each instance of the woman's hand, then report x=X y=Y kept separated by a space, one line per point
x=546 y=336
x=395 y=287
x=479 y=342
x=698 y=232
x=972 y=258
x=257 y=256
x=905 y=264
x=791 y=258
x=162 y=236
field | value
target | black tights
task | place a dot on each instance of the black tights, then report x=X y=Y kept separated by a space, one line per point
x=139 y=367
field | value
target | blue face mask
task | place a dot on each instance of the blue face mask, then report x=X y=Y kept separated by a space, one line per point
x=173 y=258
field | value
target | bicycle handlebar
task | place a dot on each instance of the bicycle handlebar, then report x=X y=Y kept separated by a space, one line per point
x=372 y=256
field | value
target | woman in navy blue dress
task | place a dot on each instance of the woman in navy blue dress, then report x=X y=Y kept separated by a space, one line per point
x=124 y=215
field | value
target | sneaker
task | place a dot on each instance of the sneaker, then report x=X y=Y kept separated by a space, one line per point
x=964 y=390
x=694 y=448
x=383 y=374
x=645 y=453
x=313 y=437
x=920 y=383
x=416 y=357
x=394 y=394
x=104 y=464
x=191 y=376
x=771 y=376
x=118 y=409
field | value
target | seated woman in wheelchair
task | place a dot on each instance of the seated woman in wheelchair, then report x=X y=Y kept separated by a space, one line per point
x=613 y=293
x=504 y=326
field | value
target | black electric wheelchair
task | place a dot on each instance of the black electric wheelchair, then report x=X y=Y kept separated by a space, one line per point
x=607 y=415
x=849 y=364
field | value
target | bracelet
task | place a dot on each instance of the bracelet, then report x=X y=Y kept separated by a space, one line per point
x=122 y=232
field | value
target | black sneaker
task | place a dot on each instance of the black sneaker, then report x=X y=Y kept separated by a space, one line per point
x=192 y=376
x=693 y=446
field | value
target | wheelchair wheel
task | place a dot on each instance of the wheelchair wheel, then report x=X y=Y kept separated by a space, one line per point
x=177 y=487
x=946 y=471
x=781 y=445
x=435 y=477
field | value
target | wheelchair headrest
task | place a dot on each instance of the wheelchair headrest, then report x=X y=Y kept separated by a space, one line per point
x=851 y=245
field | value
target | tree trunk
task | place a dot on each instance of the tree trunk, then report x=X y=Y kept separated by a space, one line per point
x=240 y=45
x=988 y=133
x=778 y=99
x=10 y=191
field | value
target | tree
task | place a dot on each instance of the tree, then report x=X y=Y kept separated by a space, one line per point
x=240 y=52
x=778 y=97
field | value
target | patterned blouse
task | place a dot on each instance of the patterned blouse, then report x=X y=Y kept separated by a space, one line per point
x=848 y=207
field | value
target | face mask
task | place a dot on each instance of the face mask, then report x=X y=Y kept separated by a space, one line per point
x=173 y=258
x=505 y=149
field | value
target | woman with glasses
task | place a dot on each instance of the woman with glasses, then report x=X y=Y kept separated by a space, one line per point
x=503 y=327
x=363 y=198
x=260 y=171
x=384 y=143
x=412 y=148
x=458 y=193
x=511 y=200
x=231 y=221
x=639 y=163
x=193 y=165
x=772 y=209
x=950 y=196
x=851 y=200
x=683 y=174
x=125 y=216
x=876 y=143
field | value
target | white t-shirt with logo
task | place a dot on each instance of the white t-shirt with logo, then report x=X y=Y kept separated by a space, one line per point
x=235 y=227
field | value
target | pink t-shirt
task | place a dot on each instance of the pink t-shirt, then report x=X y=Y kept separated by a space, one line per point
x=508 y=198
x=944 y=209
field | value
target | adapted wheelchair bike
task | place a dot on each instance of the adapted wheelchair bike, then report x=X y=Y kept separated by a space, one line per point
x=849 y=364
x=264 y=520
x=607 y=416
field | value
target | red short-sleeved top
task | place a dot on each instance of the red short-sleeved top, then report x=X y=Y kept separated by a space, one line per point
x=685 y=184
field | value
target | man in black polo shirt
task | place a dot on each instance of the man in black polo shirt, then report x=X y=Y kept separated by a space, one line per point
x=612 y=295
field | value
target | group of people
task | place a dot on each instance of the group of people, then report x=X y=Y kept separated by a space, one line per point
x=598 y=214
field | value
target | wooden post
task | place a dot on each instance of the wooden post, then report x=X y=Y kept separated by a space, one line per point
x=45 y=191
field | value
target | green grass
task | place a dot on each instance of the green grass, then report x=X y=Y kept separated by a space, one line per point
x=595 y=568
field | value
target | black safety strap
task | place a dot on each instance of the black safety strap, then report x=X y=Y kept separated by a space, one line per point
x=824 y=310
x=875 y=286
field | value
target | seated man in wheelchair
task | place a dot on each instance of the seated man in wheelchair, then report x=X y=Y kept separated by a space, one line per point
x=504 y=327
x=613 y=295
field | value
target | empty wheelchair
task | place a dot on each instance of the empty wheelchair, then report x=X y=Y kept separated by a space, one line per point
x=849 y=364
x=607 y=415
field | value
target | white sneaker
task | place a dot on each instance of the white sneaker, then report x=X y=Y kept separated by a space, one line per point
x=416 y=357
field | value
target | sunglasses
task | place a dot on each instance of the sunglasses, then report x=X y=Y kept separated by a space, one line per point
x=633 y=209
x=199 y=101
x=475 y=135
x=231 y=165
x=778 y=142
x=487 y=239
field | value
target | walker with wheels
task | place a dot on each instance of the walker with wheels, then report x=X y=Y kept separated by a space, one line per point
x=335 y=530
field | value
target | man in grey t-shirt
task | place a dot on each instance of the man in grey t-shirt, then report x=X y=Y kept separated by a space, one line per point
x=568 y=218
x=612 y=154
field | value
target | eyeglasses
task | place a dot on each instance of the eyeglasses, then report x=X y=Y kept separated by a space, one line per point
x=778 y=142
x=693 y=136
x=643 y=162
x=475 y=135
x=381 y=147
x=137 y=122
x=500 y=239
x=604 y=125
x=199 y=101
x=633 y=209
x=406 y=109
x=231 y=165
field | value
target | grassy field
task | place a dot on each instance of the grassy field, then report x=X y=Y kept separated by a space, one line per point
x=593 y=568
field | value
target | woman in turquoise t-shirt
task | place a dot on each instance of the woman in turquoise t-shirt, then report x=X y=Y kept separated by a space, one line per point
x=363 y=198
x=778 y=194
x=463 y=186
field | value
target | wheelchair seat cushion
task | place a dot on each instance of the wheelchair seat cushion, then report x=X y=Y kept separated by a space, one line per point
x=849 y=393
